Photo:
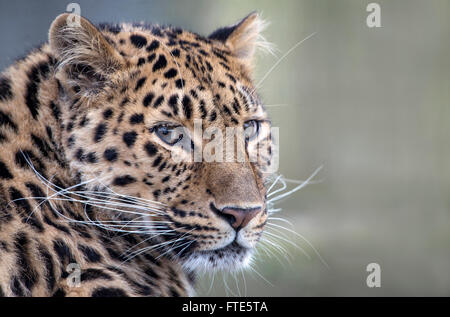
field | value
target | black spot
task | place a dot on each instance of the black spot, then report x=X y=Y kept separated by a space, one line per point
x=140 y=83
x=100 y=131
x=153 y=46
x=141 y=61
x=148 y=99
x=152 y=273
x=110 y=154
x=36 y=192
x=150 y=148
x=157 y=161
x=42 y=145
x=203 y=109
x=5 y=89
x=137 y=118
x=165 y=179
x=208 y=65
x=26 y=157
x=124 y=102
x=4 y=171
x=119 y=119
x=108 y=113
x=124 y=180
x=31 y=95
x=59 y=227
x=79 y=154
x=179 y=83
x=5 y=120
x=129 y=138
x=49 y=267
x=176 y=52
x=63 y=251
x=226 y=110
x=187 y=107
x=90 y=254
x=170 y=73
x=108 y=292
x=193 y=93
x=158 y=102
x=24 y=207
x=220 y=55
x=203 y=52
x=138 y=40
x=92 y=157
x=213 y=116
x=83 y=121
x=231 y=77
x=69 y=126
x=94 y=274
x=27 y=273
x=151 y=57
x=173 y=103
x=160 y=63
x=162 y=166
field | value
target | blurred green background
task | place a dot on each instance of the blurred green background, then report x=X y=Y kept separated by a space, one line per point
x=370 y=104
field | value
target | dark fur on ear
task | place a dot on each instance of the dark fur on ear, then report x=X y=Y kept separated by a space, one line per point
x=243 y=37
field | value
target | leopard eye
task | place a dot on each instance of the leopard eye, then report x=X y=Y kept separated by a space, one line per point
x=170 y=135
x=251 y=129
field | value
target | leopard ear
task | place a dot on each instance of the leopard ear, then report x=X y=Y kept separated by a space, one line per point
x=83 y=52
x=243 y=37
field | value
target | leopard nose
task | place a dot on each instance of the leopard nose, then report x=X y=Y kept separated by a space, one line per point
x=239 y=217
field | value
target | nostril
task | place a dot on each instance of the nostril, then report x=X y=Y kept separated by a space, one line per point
x=236 y=217
x=229 y=218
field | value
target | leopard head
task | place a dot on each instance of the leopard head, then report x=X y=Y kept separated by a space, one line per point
x=140 y=103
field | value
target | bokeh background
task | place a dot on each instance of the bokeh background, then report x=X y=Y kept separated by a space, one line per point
x=372 y=105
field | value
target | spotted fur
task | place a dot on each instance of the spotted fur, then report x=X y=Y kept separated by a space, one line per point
x=82 y=110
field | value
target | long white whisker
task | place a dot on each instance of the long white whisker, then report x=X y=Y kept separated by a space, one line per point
x=281 y=59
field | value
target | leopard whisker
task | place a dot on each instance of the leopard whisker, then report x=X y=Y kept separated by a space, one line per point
x=304 y=239
x=276 y=248
x=289 y=242
x=181 y=238
x=252 y=269
x=295 y=189
x=155 y=247
x=288 y=52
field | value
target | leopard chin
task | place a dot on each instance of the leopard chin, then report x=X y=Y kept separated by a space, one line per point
x=232 y=257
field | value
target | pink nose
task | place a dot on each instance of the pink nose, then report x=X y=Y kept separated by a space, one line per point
x=238 y=217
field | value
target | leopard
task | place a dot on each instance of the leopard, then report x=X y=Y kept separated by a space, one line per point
x=100 y=192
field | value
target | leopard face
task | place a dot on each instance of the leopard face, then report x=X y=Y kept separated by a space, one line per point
x=134 y=97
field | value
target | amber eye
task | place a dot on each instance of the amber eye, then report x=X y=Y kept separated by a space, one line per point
x=251 y=129
x=169 y=134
